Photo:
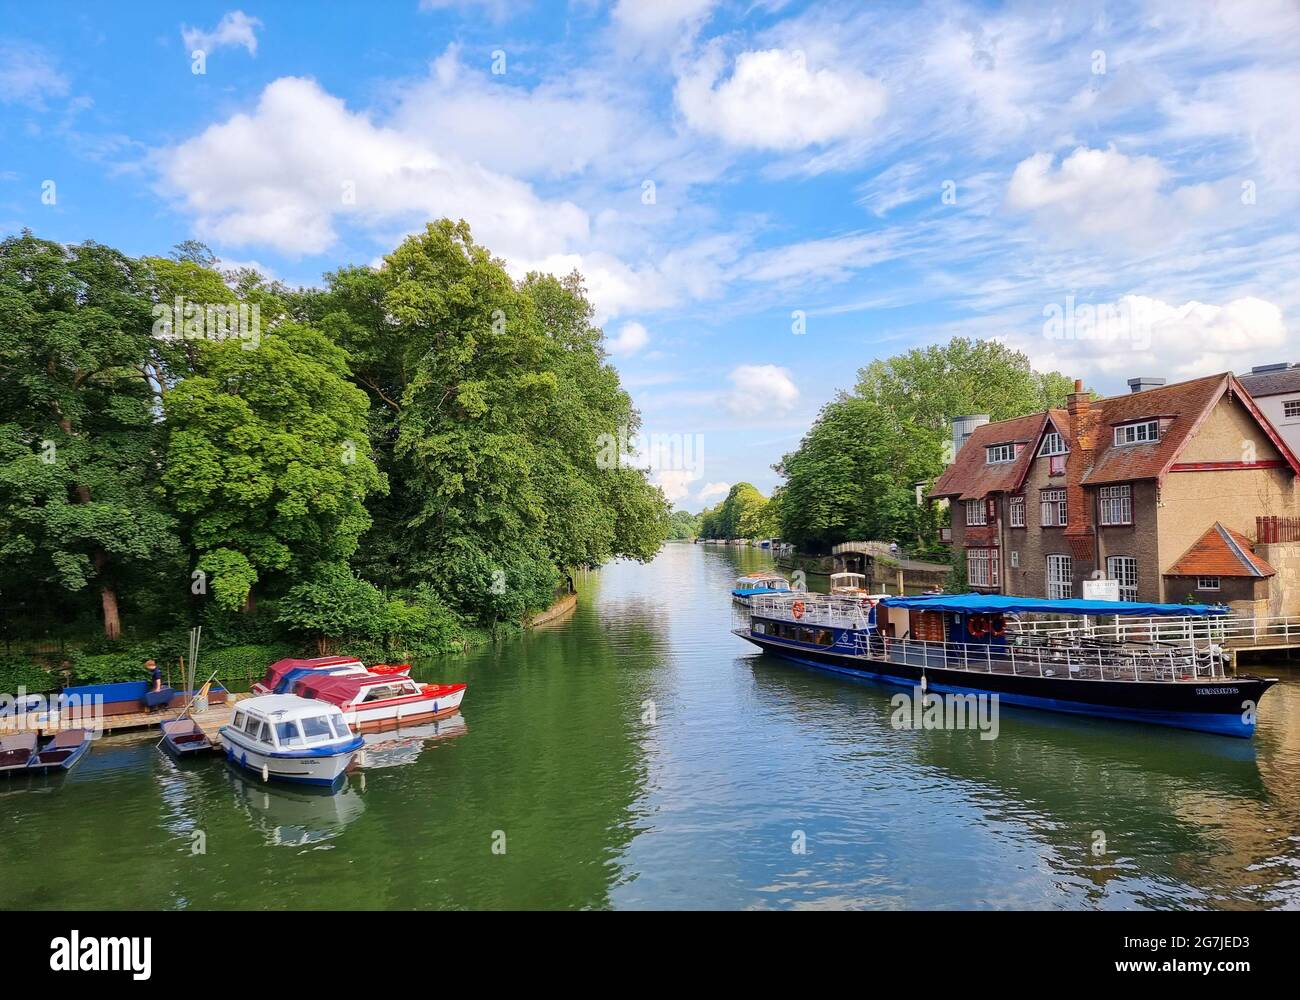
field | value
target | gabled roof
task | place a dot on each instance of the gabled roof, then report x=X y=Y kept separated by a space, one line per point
x=1188 y=404
x=1272 y=383
x=970 y=477
x=1221 y=552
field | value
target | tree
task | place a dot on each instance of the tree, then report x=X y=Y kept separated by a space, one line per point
x=79 y=443
x=268 y=459
x=490 y=399
x=855 y=472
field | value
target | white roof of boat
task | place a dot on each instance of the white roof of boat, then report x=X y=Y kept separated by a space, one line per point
x=284 y=706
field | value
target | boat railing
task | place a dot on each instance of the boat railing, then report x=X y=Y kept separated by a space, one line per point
x=1030 y=656
x=806 y=608
x=1042 y=652
x=1223 y=630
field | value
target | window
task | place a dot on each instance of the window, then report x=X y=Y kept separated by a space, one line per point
x=1053 y=444
x=1207 y=583
x=1000 y=453
x=239 y=721
x=1117 y=505
x=1017 y=512
x=1125 y=570
x=341 y=729
x=287 y=734
x=316 y=728
x=1146 y=431
x=1015 y=559
x=1054 y=513
x=1060 y=577
x=975 y=512
x=982 y=567
x=1291 y=409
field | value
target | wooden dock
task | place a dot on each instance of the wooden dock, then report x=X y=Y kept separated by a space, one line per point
x=210 y=721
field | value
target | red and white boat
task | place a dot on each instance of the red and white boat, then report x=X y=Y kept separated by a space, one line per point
x=368 y=700
x=375 y=701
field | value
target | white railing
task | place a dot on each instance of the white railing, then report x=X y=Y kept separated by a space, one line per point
x=1046 y=649
x=1056 y=660
x=1237 y=630
x=805 y=608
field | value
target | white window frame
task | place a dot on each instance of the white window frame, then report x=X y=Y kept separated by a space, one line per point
x=1138 y=432
x=999 y=454
x=982 y=567
x=1291 y=409
x=977 y=514
x=1203 y=583
x=1015 y=559
x=1124 y=569
x=1056 y=443
x=1016 y=511
x=1116 y=504
x=1060 y=577
x=1053 y=504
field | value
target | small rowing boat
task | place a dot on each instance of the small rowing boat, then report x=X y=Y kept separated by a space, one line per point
x=62 y=752
x=184 y=738
x=16 y=752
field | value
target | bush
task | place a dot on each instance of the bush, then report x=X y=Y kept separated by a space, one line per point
x=236 y=664
x=109 y=668
x=16 y=672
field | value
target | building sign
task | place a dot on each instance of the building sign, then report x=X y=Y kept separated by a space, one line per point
x=1101 y=590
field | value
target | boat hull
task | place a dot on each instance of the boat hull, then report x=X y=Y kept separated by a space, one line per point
x=1222 y=706
x=312 y=767
x=403 y=711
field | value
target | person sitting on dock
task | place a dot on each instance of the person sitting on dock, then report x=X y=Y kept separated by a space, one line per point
x=155 y=675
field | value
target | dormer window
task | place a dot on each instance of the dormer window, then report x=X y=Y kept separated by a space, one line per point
x=1053 y=444
x=1144 y=432
x=1000 y=453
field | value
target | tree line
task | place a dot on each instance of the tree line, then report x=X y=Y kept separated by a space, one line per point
x=857 y=471
x=403 y=453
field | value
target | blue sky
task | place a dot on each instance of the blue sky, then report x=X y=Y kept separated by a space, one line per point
x=1111 y=188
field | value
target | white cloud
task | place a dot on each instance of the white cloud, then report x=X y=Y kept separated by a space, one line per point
x=832 y=258
x=658 y=21
x=761 y=389
x=283 y=176
x=676 y=484
x=28 y=76
x=773 y=100
x=711 y=490
x=1140 y=335
x=1103 y=192
x=234 y=28
x=632 y=337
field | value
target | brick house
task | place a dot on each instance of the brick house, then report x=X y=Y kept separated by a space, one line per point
x=1158 y=489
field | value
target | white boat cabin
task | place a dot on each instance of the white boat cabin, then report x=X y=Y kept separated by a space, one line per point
x=287 y=723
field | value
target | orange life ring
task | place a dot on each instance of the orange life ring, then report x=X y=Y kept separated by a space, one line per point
x=797 y=610
x=997 y=626
x=978 y=626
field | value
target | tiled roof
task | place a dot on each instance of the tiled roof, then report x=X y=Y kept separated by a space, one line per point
x=1186 y=402
x=1271 y=383
x=970 y=477
x=1221 y=552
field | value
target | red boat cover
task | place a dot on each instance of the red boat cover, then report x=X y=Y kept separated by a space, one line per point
x=276 y=671
x=339 y=689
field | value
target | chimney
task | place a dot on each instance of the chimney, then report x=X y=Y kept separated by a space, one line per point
x=1277 y=366
x=1144 y=382
x=1083 y=430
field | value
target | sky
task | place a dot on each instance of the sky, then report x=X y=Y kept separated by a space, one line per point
x=762 y=196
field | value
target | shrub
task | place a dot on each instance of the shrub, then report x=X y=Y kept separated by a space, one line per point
x=17 y=672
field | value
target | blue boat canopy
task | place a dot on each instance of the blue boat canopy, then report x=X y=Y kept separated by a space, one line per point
x=987 y=604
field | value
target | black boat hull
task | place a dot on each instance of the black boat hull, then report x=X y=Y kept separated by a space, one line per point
x=1226 y=707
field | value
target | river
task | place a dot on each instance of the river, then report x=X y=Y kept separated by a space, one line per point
x=638 y=755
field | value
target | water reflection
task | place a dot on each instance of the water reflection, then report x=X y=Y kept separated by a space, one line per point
x=293 y=816
x=404 y=745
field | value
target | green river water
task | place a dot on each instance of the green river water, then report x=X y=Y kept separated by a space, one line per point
x=638 y=755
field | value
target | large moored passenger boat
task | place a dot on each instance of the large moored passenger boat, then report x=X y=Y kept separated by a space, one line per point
x=977 y=644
